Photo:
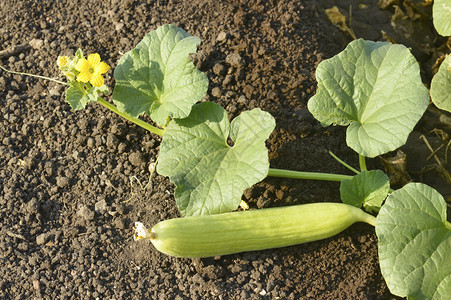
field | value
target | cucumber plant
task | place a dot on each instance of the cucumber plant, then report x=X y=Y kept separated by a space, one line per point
x=374 y=88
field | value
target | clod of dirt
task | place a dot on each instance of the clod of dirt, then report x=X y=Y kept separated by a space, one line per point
x=62 y=181
x=42 y=238
x=85 y=213
x=136 y=159
x=100 y=206
x=234 y=60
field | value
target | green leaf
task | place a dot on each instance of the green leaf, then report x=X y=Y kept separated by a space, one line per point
x=158 y=78
x=211 y=175
x=369 y=188
x=441 y=16
x=78 y=95
x=376 y=89
x=415 y=243
x=441 y=85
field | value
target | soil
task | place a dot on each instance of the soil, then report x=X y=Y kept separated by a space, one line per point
x=73 y=183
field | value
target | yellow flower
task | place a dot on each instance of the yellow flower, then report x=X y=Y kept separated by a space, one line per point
x=62 y=61
x=91 y=69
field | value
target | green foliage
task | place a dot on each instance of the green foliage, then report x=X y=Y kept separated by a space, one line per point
x=158 y=78
x=441 y=85
x=376 y=89
x=79 y=94
x=415 y=243
x=441 y=16
x=210 y=174
x=369 y=188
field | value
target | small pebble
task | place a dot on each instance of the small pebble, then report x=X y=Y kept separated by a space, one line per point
x=242 y=99
x=227 y=80
x=32 y=207
x=36 y=43
x=136 y=159
x=216 y=92
x=91 y=142
x=41 y=239
x=219 y=69
x=119 y=223
x=222 y=36
x=62 y=181
x=85 y=213
x=100 y=205
x=36 y=285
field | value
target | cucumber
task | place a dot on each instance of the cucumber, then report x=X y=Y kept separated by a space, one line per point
x=221 y=234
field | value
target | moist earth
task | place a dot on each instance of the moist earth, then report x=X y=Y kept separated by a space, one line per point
x=73 y=182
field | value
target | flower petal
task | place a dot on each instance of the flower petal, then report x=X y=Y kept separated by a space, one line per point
x=101 y=68
x=97 y=79
x=82 y=65
x=84 y=76
x=141 y=232
x=94 y=59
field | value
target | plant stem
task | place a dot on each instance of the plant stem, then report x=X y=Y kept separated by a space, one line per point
x=307 y=175
x=137 y=121
x=343 y=163
x=33 y=75
x=362 y=163
x=370 y=219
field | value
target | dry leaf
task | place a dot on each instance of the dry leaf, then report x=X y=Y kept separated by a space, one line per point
x=339 y=20
x=386 y=3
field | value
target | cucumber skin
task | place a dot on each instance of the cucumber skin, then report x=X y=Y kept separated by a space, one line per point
x=221 y=234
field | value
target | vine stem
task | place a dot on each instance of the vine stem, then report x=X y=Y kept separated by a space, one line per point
x=343 y=163
x=307 y=175
x=362 y=163
x=370 y=219
x=137 y=121
x=33 y=75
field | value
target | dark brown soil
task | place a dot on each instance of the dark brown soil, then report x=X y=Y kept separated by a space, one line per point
x=72 y=182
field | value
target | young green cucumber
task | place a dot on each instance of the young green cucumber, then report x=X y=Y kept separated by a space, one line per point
x=212 y=235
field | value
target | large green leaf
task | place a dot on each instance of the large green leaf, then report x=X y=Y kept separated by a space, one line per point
x=415 y=243
x=210 y=174
x=376 y=89
x=158 y=78
x=369 y=188
x=441 y=16
x=441 y=85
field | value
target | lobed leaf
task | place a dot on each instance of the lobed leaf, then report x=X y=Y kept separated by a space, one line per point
x=210 y=174
x=158 y=78
x=376 y=89
x=441 y=86
x=369 y=188
x=415 y=243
